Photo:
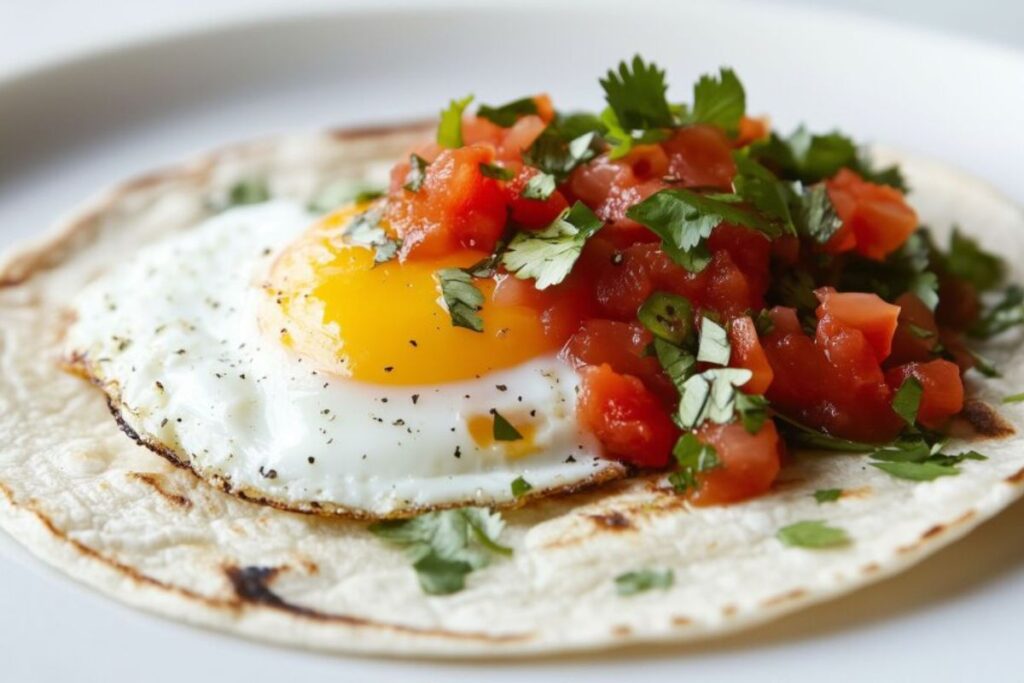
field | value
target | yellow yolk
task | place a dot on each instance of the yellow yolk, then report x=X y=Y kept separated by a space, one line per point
x=386 y=323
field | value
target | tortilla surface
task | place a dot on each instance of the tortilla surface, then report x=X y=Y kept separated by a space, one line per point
x=87 y=499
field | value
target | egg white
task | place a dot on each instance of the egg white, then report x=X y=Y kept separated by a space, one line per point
x=173 y=338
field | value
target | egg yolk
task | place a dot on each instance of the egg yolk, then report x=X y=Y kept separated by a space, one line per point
x=386 y=322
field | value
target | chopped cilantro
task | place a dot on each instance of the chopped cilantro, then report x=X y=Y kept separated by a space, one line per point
x=549 y=255
x=636 y=95
x=807 y=437
x=762 y=189
x=752 y=410
x=449 y=130
x=365 y=230
x=417 y=173
x=248 y=191
x=813 y=534
x=496 y=172
x=539 y=187
x=827 y=495
x=503 y=429
x=719 y=101
x=642 y=580
x=1006 y=314
x=1013 y=398
x=693 y=457
x=677 y=363
x=462 y=298
x=507 y=114
x=917 y=471
x=444 y=546
x=982 y=364
x=684 y=220
x=907 y=400
x=920 y=332
x=714 y=343
x=968 y=261
x=557 y=153
x=667 y=316
x=711 y=396
x=343 y=192
x=520 y=486
x=818 y=218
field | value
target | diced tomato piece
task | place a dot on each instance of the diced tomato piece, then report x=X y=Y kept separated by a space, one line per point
x=647 y=161
x=520 y=136
x=748 y=353
x=729 y=291
x=943 y=389
x=751 y=130
x=916 y=335
x=456 y=207
x=626 y=417
x=701 y=156
x=477 y=130
x=610 y=188
x=833 y=382
x=622 y=347
x=876 y=218
x=869 y=313
x=749 y=462
x=533 y=213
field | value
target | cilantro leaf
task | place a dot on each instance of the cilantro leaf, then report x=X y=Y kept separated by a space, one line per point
x=642 y=580
x=539 y=187
x=549 y=255
x=907 y=400
x=520 y=486
x=684 y=220
x=343 y=192
x=827 y=495
x=711 y=396
x=802 y=435
x=719 y=101
x=1006 y=314
x=752 y=410
x=677 y=363
x=813 y=534
x=496 y=172
x=444 y=546
x=968 y=261
x=507 y=114
x=248 y=191
x=693 y=457
x=557 y=152
x=1013 y=398
x=667 y=316
x=503 y=429
x=917 y=471
x=763 y=190
x=812 y=158
x=818 y=218
x=983 y=364
x=462 y=298
x=449 y=130
x=417 y=173
x=714 y=343
x=636 y=95
x=365 y=230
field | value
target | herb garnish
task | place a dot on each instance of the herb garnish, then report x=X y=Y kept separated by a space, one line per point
x=827 y=495
x=814 y=534
x=462 y=298
x=417 y=173
x=643 y=580
x=507 y=114
x=248 y=191
x=496 y=172
x=692 y=456
x=907 y=400
x=365 y=229
x=719 y=101
x=520 y=486
x=549 y=255
x=503 y=429
x=444 y=546
x=449 y=129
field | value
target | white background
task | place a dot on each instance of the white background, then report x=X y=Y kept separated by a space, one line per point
x=44 y=642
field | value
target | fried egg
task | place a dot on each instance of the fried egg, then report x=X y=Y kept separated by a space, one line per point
x=280 y=362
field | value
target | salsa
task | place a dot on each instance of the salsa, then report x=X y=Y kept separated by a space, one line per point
x=716 y=284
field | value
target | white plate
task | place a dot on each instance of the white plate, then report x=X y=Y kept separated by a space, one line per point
x=70 y=129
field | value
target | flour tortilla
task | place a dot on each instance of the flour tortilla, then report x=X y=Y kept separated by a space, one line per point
x=85 y=498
